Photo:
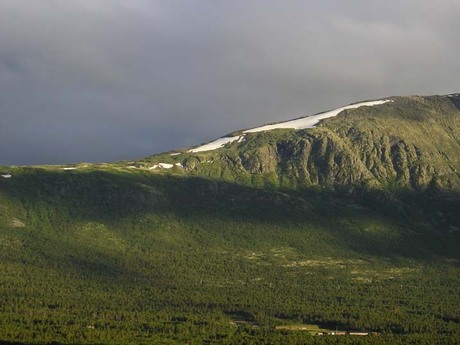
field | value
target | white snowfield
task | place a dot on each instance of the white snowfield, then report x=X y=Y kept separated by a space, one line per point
x=216 y=144
x=6 y=176
x=164 y=166
x=312 y=120
x=297 y=124
x=72 y=168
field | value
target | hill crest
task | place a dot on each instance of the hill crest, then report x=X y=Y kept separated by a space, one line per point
x=402 y=142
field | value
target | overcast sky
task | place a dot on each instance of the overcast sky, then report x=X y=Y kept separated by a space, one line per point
x=103 y=80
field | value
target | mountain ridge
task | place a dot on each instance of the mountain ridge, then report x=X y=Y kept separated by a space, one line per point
x=375 y=146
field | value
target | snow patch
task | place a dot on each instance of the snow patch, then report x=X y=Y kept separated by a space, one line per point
x=216 y=144
x=179 y=165
x=162 y=166
x=6 y=176
x=132 y=167
x=70 y=168
x=312 y=120
x=174 y=154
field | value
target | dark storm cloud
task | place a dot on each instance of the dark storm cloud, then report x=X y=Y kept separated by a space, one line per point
x=112 y=79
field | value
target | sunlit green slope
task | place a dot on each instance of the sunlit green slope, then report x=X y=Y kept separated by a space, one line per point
x=409 y=142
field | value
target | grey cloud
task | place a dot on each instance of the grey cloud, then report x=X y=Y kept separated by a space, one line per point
x=119 y=79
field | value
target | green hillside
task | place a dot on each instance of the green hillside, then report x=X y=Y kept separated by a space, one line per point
x=410 y=142
x=353 y=225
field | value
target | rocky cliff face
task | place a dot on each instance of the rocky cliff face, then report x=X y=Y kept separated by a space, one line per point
x=410 y=143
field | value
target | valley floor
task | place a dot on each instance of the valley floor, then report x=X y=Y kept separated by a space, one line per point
x=118 y=258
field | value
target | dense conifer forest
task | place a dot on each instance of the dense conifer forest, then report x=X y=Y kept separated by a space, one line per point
x=114 y=256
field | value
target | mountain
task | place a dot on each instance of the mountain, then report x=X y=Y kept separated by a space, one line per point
x=401 y=142
x=344 y=220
